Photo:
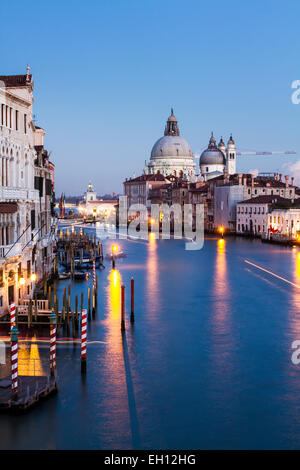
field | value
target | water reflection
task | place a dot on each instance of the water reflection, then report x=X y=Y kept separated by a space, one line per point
x=30 y=363
x=116 y=403
x=152 y=281
x=294 y=298
x=221 y=285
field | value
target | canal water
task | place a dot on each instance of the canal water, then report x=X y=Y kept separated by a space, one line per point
x=207 y=364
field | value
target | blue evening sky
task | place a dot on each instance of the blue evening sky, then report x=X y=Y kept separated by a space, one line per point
x=107 y=72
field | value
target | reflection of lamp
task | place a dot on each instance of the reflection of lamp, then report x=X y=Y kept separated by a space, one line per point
x=22 y=281
x=33 y=277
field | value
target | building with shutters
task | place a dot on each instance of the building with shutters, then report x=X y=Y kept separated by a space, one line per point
x=26 y=194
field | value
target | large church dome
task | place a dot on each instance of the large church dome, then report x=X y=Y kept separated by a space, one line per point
x=171 y=146
x=171 y=154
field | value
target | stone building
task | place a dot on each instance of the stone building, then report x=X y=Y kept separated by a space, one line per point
x=26 y=193
x=266 y=215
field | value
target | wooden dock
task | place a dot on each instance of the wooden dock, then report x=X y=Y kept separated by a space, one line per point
x=31 y=391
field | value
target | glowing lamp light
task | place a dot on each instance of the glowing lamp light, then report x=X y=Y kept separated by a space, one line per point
x=115 y=248
x=33 y=277
x=152 y=221
x=22 y=281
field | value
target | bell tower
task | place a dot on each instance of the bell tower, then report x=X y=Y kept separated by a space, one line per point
x=231 y=156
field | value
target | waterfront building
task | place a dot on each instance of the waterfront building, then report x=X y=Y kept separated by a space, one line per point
x=91 y=206
x=26 y=193
x=138 y=189
x=264 y=215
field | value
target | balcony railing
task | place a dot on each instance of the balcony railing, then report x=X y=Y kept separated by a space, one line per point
x=9 y=251
x=21 y=194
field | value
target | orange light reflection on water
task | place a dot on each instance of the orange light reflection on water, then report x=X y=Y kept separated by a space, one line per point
x=152 y=267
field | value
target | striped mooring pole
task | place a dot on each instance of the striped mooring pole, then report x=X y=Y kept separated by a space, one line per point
x=14 y=362
x=52 y=318
x=12 y=309
x=83 y=339
x=94 y=273
x=122 y=308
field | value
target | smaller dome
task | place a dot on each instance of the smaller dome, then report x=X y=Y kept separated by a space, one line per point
x=212 y=156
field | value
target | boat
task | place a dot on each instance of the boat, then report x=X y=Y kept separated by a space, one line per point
x=80 y=275
x=119 y=254
x=62 y=276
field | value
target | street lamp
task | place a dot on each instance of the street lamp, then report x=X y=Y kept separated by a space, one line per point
x=114 y=249
x=33 y=277
x=22 y=281
x=221 y=230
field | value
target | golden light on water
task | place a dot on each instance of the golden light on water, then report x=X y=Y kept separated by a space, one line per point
x=152 y=272
x=30 y=363
x=114 y=292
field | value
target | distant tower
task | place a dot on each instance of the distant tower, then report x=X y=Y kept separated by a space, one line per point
x=231 y=156
x=90 y=194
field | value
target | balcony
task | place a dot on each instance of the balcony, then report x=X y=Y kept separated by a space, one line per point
x=10 y=251
x=18 y=194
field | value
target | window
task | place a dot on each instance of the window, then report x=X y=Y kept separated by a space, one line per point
x=28 y=268
x=17 y=120
x=10 y=118
x=49 y=187
x=1 y=300
x=32 y=219
x=2 y=114
x=25 y=123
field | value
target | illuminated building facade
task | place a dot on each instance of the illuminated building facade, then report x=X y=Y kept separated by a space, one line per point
x=91 y=206
x=26 y=193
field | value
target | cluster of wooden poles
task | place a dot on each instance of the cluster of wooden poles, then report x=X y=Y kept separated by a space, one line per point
x=56 y=321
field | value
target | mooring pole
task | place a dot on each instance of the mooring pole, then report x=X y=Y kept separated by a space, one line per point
x=83 y=340
x=132 y=300
x=14 y=362
x=52 y=318
x=89 y=303
x=12 y=309
x=94 y=301
x=123 y=308
x=49 y=298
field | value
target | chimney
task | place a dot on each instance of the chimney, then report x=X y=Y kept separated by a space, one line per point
x=280 y=177
x=245 y=181
x=292 y=181
x=252 y=180
x=286 y=181
x=240 y=176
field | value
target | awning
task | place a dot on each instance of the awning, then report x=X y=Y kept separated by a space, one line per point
x=8 y=207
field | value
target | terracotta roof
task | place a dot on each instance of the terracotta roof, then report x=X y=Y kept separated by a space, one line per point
x=13 y=81
x=156 y=177
x=271 y=199
x=8 y=207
